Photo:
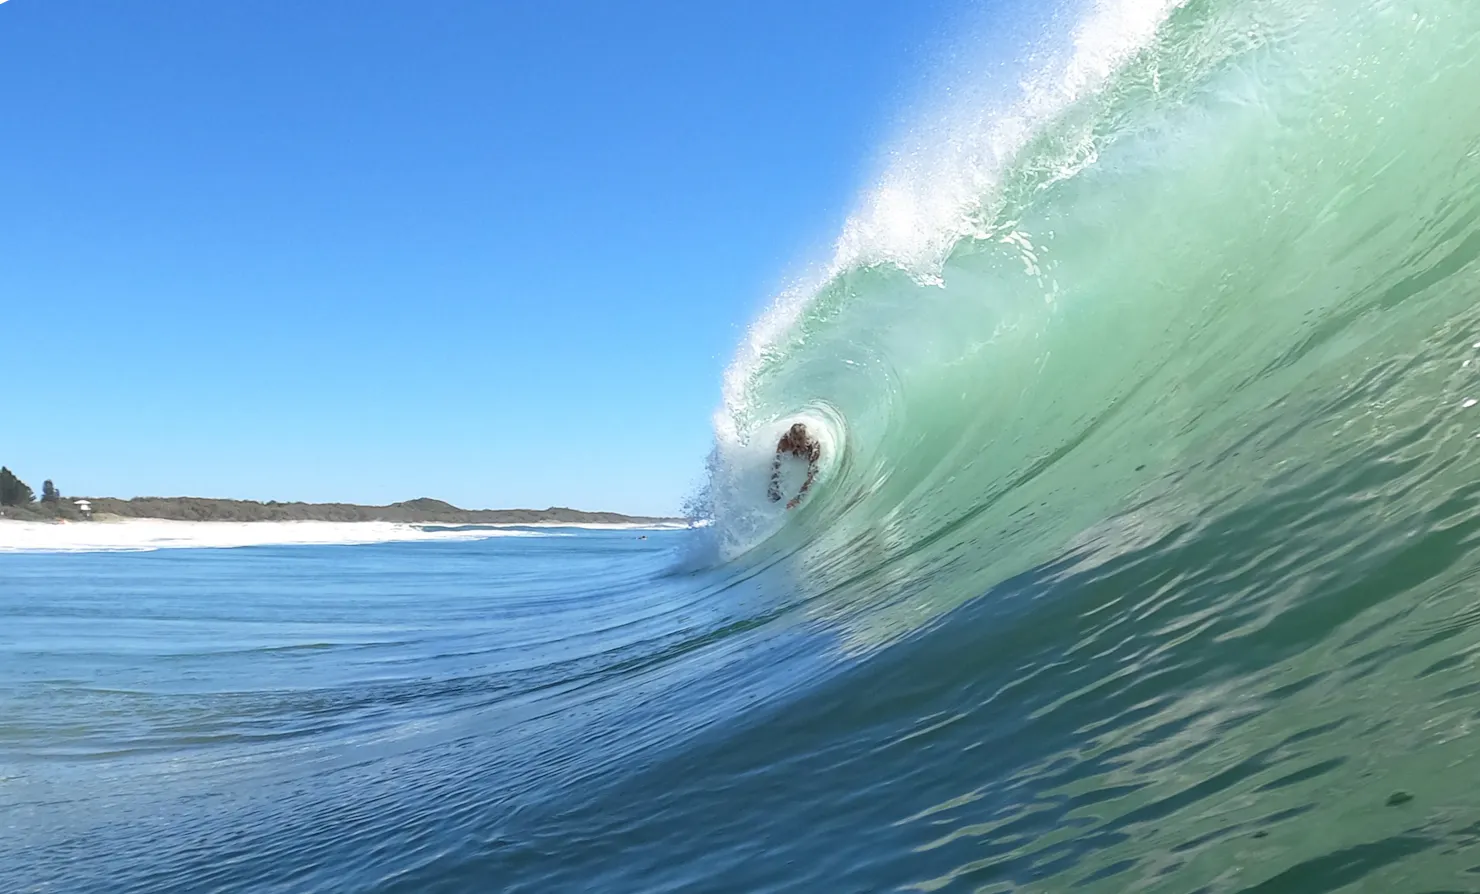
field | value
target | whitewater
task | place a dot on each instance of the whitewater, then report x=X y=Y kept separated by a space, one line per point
x=142 y=534
x=1143 y=553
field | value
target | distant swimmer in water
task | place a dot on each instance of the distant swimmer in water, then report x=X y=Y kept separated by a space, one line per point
x=797 y=442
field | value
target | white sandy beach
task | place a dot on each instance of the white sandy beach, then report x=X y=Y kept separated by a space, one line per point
x=598 y=526
x=150 y=534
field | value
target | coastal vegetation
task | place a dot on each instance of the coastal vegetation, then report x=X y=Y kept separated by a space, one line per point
x=18 y=501
x=424 y=510
x=13 y=491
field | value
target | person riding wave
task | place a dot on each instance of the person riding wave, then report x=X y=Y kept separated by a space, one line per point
x=796 y=442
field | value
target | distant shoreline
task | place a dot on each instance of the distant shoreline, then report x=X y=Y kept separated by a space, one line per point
x=420 y=511
x=118 y=534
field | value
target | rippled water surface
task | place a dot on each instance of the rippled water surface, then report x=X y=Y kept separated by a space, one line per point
x=1145 y=552
x=1218 y=706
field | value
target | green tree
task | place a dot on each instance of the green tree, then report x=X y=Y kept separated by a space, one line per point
x=13 y=491
x=49 y=492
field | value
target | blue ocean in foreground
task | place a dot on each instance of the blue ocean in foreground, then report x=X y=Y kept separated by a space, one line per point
x=1144 y=555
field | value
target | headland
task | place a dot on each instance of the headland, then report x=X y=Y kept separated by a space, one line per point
x=419 y=511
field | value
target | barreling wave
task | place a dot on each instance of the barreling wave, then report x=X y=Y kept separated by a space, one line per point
x=1143 y=554
x=1193 y=228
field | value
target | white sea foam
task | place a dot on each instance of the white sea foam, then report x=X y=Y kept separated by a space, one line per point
x=932 y=193
x=602 y=526
x=153 y=534
x=944 y=168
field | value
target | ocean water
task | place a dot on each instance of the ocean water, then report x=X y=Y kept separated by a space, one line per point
x=1145 y=553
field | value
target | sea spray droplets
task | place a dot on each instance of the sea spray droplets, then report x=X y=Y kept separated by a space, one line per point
x=936 y=189
x=941 y=179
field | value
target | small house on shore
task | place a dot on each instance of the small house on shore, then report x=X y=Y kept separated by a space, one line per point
x=85 y=507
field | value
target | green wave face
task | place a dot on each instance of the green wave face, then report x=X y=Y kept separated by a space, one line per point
x=1154 y=405
x=1220 y=255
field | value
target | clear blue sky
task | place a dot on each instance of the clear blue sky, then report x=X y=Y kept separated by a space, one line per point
x=493 y=252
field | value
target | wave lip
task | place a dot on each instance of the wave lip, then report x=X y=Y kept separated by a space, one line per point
x=942 y=179
x=954 y=260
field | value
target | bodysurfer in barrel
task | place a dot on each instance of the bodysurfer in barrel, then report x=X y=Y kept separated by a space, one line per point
x=799 y=443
